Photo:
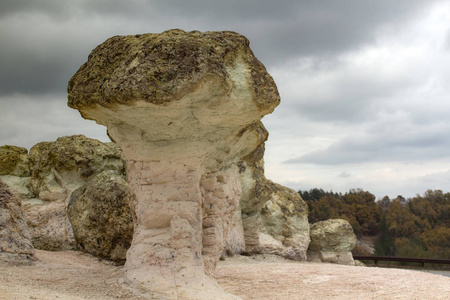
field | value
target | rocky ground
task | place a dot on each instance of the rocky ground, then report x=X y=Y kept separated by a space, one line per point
x=74 y=275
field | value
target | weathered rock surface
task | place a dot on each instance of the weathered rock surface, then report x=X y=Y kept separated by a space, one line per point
x=57 y=169
x=15 y=239
x=184 y=108
x=285 y=227
x=332 y=241
x=14 y=170
x=101 y=217
x=274 y=218
x=14 y=161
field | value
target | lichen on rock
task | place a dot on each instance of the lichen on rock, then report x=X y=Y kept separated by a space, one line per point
x=14 y=161
x=101 y=217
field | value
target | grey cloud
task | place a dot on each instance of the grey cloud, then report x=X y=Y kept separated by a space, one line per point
x=44 y=118
x=14 y=7
x=416 y=144
x=291 y=28
x=344 y=175
x=278 y=30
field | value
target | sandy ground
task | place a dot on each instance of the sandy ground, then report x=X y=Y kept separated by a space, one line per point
x=74 y=275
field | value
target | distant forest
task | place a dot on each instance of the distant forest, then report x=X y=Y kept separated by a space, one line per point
x=415 y=227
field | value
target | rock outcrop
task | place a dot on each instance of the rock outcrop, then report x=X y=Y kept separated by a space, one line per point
x=45 y=178
x=57 y=169
x=332 y=241
x=15 y=239
x=185 y=108
x=101 y=217
x=273 y=218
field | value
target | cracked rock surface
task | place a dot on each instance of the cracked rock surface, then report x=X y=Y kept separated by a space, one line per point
x=185 y=107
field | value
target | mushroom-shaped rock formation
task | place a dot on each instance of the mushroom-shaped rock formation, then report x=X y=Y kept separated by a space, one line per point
x=184 y=107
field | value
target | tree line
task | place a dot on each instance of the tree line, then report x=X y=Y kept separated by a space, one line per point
x=414 y=227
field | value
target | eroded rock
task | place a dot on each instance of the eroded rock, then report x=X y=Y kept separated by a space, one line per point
x=332 y=241
x=14 y=170
x=184 y=108
x=285 y=227
x=274 y=217
x=101 y=218
x=15 y=239
x=57 y=169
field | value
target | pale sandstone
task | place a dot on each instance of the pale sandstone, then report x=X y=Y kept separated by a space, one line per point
x=185 y=108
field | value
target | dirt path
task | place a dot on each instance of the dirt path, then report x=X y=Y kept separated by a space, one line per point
x=73 y=275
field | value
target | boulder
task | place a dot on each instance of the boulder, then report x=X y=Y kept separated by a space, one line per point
x=15 y=239
x=332 y=241
x=101 y=217
x=57 y=169
x=183 y=106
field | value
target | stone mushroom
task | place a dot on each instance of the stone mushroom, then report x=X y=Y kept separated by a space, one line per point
x=184 y=107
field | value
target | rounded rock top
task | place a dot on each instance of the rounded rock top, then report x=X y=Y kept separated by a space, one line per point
x=162 y=68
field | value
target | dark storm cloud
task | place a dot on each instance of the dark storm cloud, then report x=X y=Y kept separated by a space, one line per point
x=278 y=30
x=14 y=7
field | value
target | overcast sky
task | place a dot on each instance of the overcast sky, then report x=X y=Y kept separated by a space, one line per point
x=364 y=84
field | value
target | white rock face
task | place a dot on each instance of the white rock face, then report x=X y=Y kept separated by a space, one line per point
x=184 y=108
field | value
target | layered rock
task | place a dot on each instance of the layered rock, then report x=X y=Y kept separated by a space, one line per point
x=332 y=241
x=15 y=239
x=57 y=169
x=185 y=108
x=101 y=218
